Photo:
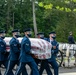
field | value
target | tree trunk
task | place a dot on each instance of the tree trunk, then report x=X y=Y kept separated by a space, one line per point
x=34 y=18
x=8 y=18
x=13 y=20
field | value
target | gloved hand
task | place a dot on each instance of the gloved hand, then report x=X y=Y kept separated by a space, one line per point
x=52 y=51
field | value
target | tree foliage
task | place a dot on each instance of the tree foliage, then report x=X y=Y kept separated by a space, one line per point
x=62 y=15
x=51 y=15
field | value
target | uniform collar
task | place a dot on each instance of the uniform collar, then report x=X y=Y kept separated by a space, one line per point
x=1 y=38
x=25 y=36
x=15 y=38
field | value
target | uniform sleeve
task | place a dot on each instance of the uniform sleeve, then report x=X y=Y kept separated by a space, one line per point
x=15 y=47
x=2 y=47
x=73 y=40
x=27 y=47
x=55 y=51
x=57 y=48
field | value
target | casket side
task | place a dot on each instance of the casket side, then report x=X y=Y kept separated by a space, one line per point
x=39 y=48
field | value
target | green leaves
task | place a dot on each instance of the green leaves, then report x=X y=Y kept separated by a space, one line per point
x=74 y=1
x=41 y=4
x=67 y=1
x=48 y=6
x=61 y=8
x=74 y=10
x=67 y=9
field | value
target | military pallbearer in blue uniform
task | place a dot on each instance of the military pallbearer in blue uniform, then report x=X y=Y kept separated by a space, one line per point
x=25 y=56
x=14 y=53
x=3 y=57
x=44 y=63
x=54 y=51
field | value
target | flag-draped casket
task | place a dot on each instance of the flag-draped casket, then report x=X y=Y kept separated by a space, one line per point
x=40 y=48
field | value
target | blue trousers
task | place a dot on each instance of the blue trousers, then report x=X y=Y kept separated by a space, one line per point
x=33 y=66
x=0 y=72
x=4 y=63
x=11 y=65
x=54 y=65
x=37 y=61
x=45 y=65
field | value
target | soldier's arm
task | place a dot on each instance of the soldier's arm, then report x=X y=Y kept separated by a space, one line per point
x=27 y=47
x=55 y=48
x=2 y=47
x=73 y=40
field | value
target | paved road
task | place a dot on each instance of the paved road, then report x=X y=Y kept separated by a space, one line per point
x=65 y=74
x=68 y=73
x=62 y=71
x=65 y=71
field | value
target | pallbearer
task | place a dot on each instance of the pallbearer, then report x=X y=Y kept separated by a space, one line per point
x=54 y=51
x=25 y=55
x=14 y=53
x=44 y=63
x=3 y=57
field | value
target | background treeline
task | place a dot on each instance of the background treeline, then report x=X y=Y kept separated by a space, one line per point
x=51 y=15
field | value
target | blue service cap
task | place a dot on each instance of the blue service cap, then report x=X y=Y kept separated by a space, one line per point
x=28 y=29
x=40 y=33
x=15 y=30
x=53 y=32
x=2 y=32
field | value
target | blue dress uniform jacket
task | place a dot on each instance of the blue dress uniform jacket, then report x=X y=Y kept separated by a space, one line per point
x=2 y=49
x=14 y=49
x=26 y=58
x=54 y=51
x=25 y=50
